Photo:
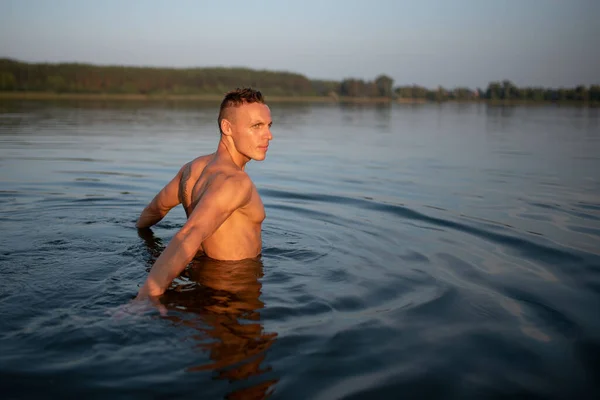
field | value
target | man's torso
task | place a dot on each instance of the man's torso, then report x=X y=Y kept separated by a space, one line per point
x=239 y=237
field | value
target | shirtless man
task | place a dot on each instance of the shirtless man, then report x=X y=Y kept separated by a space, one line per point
x=222 y=204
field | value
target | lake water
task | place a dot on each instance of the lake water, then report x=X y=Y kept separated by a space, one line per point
x=429 y=251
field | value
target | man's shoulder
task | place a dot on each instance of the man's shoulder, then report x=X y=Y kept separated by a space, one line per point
x=229 y=188
x=199 y=162
x=233 y=178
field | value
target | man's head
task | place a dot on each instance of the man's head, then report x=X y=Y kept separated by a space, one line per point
x=245 y=122
x=236 y=98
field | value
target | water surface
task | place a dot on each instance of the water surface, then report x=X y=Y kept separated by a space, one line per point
x=429 y=251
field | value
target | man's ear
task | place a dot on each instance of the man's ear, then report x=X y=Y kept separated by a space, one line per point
x=226 y=127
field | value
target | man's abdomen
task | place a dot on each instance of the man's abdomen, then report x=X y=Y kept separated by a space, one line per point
x=238 y=244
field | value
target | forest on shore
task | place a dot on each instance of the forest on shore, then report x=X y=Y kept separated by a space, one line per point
x=76 y=78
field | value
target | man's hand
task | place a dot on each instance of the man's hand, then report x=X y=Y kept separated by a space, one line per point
x=139 y=306
x=146 y=303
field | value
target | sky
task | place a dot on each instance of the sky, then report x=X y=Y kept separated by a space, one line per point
x=550 y=43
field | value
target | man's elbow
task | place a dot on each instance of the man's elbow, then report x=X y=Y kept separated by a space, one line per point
x=145 y=221
x=140 y=225
x=150 y=216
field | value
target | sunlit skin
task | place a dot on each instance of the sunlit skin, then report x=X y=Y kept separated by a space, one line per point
x=224 y=210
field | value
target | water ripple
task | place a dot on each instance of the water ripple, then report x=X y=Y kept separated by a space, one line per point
x=392 y=262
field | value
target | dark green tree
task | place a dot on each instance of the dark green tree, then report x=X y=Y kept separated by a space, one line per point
x=494 y=91
x=7 y=81
x=384 y=85
x=582 y=93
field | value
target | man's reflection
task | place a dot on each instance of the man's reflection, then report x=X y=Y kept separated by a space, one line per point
x=221 y=300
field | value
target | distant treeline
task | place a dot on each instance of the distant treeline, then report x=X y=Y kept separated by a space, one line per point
x=503 y=91
x=16 y=76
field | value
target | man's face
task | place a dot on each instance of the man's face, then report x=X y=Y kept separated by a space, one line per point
x=251 y=130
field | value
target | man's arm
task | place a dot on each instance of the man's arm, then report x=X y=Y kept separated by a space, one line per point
x=224 y=195
x=161 y=204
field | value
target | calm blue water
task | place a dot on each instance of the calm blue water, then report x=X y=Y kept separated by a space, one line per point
x=423 y=251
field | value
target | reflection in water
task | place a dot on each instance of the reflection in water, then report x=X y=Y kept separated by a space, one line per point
x=153 y=244
x=383 y=114
x=526 y=326
x=220 y=299
x=499 y=118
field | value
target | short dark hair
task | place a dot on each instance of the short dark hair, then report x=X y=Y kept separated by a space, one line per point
x=236 y=98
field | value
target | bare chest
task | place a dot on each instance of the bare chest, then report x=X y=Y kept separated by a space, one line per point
x=255 y=209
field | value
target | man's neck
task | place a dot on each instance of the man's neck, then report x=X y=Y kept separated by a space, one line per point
x=226 y=148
